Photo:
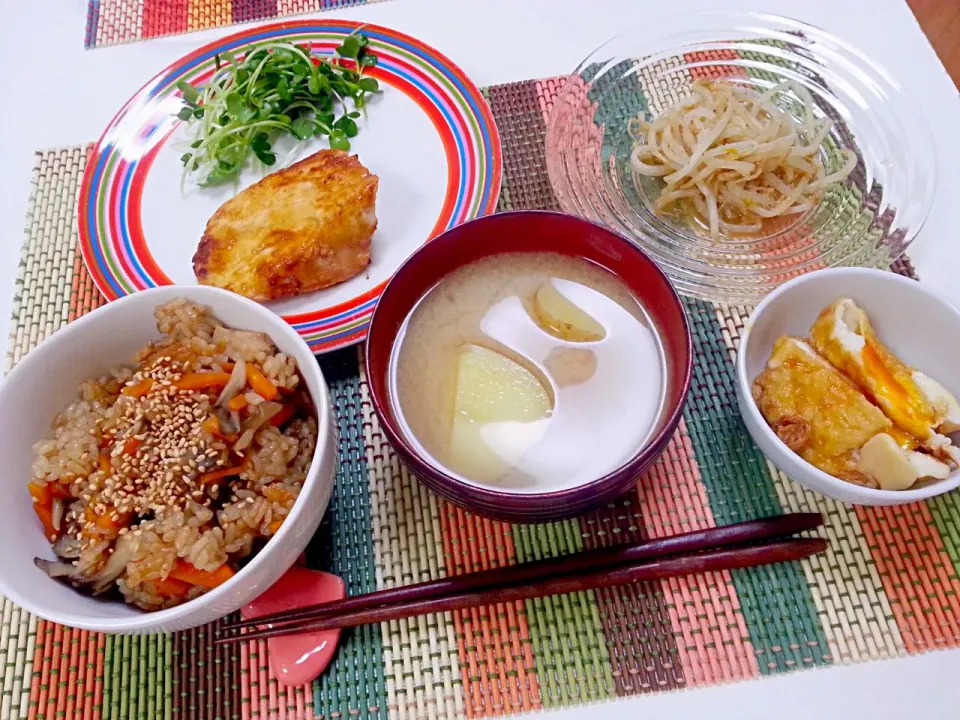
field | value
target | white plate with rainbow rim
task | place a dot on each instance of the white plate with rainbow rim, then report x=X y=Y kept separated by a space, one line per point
x=430 y=137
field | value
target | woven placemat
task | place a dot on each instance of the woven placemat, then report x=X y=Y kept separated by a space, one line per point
x=887 y=586
x=112 y=22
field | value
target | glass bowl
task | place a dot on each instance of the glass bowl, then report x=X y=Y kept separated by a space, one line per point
x=868 y=219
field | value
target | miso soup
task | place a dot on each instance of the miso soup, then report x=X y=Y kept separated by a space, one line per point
x=528 y=372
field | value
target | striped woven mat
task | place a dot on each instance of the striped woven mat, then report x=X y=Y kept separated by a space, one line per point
x=887 y=586
x=111 y=22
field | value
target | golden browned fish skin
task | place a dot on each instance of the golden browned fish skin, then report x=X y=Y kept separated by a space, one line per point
x=299 y=229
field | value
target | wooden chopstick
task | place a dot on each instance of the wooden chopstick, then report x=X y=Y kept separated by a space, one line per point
x=739 y=533
x=726 y=558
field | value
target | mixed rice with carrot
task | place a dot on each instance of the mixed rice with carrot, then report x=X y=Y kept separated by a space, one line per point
x=162 y=479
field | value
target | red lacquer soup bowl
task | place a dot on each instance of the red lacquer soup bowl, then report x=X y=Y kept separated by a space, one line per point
x=531 y=231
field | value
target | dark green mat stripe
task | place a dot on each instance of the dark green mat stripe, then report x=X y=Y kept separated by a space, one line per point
x=946 y=515
x=353 y=685
x=777 y=606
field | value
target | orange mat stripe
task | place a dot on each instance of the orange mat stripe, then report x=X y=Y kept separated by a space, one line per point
x=916 y=572
x=493 y=642
x=704 y=610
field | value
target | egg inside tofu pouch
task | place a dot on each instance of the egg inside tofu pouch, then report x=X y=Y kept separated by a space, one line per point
x=917 y=405
x=823 y=416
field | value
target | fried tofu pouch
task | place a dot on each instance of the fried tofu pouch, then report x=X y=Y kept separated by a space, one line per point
x=915 y=403
x=303 y=228
x=822 y=416
x=815 y=410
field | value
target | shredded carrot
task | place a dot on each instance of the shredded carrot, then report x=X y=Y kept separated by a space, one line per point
x=277 y=494
x=258 y=381
x=168 y=587
x=105 y=464
x=107 y=521
x=203 y=380
x=45 y=493
x=187 y=573
x=131 y=445
x=138 y=389
x=238 y=403
x=58 y=490
x=275 y=526
x=228 y=366
x=43 y=496
x=40 y=492
x=214 y=475
x=285 y=414
x=211 y=425
x=45 y=513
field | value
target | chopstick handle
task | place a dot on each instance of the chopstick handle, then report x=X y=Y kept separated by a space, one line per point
x=696 y=541
x=706 y=561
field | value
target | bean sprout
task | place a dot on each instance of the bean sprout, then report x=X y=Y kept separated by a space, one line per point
x=731 y=158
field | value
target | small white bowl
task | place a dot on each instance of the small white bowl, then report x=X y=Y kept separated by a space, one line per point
x=47 y=380
x=916 y=323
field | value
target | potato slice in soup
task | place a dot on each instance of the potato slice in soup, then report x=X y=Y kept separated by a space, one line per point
x=562 y=319
x=499 y=413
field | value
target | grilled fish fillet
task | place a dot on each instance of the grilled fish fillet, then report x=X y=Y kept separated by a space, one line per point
x=299 y=229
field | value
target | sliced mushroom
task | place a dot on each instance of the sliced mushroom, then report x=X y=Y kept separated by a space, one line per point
x=244 y=441
x=228 y=420
x=55 y=568
x=113 y=567
x=261 y=415
x=67 y=547
x=236 y=383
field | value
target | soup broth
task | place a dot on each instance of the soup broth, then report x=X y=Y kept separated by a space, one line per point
x=528 y=372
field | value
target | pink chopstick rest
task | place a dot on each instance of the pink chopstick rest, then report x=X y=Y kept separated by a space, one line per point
x=298 y=659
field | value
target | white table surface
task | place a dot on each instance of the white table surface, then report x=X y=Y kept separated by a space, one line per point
x=56 y=93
